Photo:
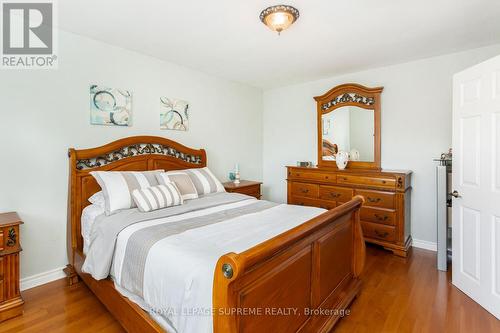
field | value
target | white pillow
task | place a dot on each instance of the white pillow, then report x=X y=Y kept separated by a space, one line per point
x=205 y=181
x=181 y=180
x=98 y=199
x=117 y=187
x=157 y=197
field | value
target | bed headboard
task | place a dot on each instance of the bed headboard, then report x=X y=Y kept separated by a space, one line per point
x=136 y=153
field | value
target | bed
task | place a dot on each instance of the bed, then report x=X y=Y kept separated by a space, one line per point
x=286 y=269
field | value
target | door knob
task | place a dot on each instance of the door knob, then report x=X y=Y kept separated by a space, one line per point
x=455 y=194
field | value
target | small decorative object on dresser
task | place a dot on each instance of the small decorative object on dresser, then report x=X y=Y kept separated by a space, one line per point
x=305 y=164
x=341 y=159
x=11 y=302
x=244 y=187
x=353 y=114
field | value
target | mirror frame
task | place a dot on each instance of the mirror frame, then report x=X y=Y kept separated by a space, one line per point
x=339 y=96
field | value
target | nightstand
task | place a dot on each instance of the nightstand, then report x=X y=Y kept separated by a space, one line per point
x=244 y=187
x=11 y=302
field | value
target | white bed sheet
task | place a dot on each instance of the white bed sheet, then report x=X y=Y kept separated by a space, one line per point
x=179 y=270
x=89 y=214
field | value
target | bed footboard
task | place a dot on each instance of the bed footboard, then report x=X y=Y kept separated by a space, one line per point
x=299 y=281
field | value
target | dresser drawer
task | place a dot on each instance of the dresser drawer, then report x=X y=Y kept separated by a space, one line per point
x=2 y=278
x=367 y=181
x=377 y=198
x=378 y=231
x=382 y=216
x=305 y=190
x=339 y=194
x=301 y=201
x=312 y=175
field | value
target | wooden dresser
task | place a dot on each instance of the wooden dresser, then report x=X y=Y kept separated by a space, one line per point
x=385 y=214
x=11 y=302
x=247 y=187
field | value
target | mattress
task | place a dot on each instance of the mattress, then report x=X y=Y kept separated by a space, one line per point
x=166 y=263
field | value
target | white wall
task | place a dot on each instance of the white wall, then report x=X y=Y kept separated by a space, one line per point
x=44 y=112
x=416 y=125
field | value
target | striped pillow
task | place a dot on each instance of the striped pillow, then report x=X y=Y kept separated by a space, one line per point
x=157 y=197
x=205 y=181
x=182 y=180
x=117 y=187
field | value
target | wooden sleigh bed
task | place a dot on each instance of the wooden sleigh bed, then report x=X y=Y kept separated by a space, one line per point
x=314 y=267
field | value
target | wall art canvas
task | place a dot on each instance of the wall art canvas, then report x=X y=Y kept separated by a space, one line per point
x=110 y=106
x=174 y=114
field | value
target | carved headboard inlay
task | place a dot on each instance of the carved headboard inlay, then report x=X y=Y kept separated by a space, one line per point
x=348 y=98
x=136 y=150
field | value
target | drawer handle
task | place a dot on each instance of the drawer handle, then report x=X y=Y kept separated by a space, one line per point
x=380 y=234
x=304 y=190
x=373 y=200
x=334 y=195
x=383 y=182
x=381 y=218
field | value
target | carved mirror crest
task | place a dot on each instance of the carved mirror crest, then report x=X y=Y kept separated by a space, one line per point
x=349 y=121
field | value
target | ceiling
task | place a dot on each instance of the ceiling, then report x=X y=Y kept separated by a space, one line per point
x=226 y=38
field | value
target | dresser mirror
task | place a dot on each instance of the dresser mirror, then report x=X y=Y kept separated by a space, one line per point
x=349 y=121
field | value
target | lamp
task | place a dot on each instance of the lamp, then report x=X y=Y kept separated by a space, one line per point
x=280 y=17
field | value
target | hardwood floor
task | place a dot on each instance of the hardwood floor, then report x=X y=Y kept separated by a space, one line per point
x=397 y=296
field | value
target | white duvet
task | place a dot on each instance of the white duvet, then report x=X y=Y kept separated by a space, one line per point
x=179 y=269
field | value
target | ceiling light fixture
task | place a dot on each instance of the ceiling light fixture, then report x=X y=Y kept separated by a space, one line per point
x=280 y=17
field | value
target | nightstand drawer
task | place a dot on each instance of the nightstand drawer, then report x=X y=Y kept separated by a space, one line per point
x=246 y=187
x=11 y=303
x=305 y=190
x=253 y=191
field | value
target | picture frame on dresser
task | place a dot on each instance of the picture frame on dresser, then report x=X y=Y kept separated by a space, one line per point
x=386 y=213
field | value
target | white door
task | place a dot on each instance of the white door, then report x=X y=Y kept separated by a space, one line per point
x=476 y=179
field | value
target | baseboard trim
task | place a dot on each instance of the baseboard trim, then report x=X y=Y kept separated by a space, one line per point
x=426 y=245
x=41 y=278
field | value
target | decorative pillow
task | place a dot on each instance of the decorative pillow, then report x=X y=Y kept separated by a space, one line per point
x=205 y=181
x=182 y=180
x=157 y=197
x=98 y=199
x=117 y=187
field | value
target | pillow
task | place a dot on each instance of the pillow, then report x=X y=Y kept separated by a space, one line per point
x=117 y=187
x=157 y=197
x=183 y=182
x=205 y=181
x=98 y=199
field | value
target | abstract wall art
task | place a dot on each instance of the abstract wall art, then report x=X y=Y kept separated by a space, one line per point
x=110 y=106
x=174 y=114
